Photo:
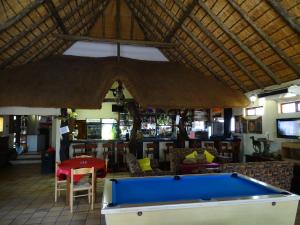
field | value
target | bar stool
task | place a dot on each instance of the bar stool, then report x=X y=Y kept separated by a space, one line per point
x=78 y=149
x=90 y=149
x=150 y=150
x=167 y=150
x=108 y=153
x=209 y=145
x=225 y=150
x=121 y=153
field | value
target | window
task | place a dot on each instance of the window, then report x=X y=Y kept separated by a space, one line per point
x=255 y=111
x=290 y=107
x=1 y=124
x=109 y=130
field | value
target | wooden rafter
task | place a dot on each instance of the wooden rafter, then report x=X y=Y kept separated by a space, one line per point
x=56 y=16
x=266 y=38
x=88 y=23
x=120 y=41
x=221 y=46
x=29 y=29
x=204 y=48
x=150 y=21
x=21 y=15
x=36 y=40
x=187 y=11
x=190 y=50
x=290 y=20
x=239 y=42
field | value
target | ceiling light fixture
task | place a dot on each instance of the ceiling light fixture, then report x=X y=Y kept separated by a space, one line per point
x=253 y=98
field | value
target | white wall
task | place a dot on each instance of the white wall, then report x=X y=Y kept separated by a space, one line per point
x=103 y=113
x=29 y=111
x=271 y=113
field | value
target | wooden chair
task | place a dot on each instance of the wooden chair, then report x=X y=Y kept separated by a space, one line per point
x=78 y=149
x=60 y=184
x=167 y=150
x=150 y=150
x=82 y=186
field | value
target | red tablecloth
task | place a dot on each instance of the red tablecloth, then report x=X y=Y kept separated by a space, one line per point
x=64 y=168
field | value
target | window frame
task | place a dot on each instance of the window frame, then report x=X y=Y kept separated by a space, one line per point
x=255 y=114
x=285 y=103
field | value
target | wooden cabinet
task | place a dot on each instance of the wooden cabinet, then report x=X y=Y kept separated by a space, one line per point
x=291 y=151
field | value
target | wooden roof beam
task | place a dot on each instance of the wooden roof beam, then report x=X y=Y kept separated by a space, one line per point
x=187 y=11
x=49 y=31
x=29 y=29
x=56 y=16
x=290 y=20
x=204 y=48
x=20 y=15
x=221 y=46
x=239 y=42
x=88 y=22
x=115 y=41
x=191 y=51
x=266 y=38
x=118 y=27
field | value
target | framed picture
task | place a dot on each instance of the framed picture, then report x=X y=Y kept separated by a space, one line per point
x=238 y=124
x=255 y=125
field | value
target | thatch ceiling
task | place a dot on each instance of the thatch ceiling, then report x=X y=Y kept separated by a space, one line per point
x=79 y=82
x=247 y=44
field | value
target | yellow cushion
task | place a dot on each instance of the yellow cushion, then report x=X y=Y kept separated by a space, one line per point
x=145 y=164
x=193 y=155
x=209 y=157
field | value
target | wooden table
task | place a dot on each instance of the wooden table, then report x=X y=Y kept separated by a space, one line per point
x=64 y=168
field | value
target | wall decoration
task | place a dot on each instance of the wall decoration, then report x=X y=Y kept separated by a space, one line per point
x=238 y=124
x=255 y=125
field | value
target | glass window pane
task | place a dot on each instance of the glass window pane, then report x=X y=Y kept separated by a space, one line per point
x=251 y=112
x=259 y=111
x=288 y=107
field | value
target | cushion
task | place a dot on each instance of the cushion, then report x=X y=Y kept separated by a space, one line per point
x=145 y=164
x=209 y=157
x=190 y=161
x=201 y=158
x=193 y=155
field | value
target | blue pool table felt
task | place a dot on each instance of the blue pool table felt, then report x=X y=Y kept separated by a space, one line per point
x=168 y=189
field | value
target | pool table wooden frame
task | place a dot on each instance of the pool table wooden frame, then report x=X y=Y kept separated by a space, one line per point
x=278 y=209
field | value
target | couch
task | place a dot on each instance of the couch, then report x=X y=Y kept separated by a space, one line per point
x=276 y=173
x=177 y=155
x=135 y=170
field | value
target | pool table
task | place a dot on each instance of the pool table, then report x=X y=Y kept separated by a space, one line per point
x=224 y=198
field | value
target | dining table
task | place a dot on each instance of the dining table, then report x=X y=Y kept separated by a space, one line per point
x=65 y=167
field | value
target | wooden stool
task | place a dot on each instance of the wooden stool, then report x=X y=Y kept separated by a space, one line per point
x=78 y=149
x=90 y=149
x=121 y=153
x=225 y=150
x=167 y=151
x=209 y=145
x=150 y=150
x=108 y=153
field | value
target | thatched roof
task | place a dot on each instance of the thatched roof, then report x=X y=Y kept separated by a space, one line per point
x=246 y=44
x=77 y=82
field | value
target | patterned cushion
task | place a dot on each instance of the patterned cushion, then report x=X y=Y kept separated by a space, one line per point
x=132 y=163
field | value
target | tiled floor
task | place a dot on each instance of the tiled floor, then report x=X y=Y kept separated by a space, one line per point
x=27 y=197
